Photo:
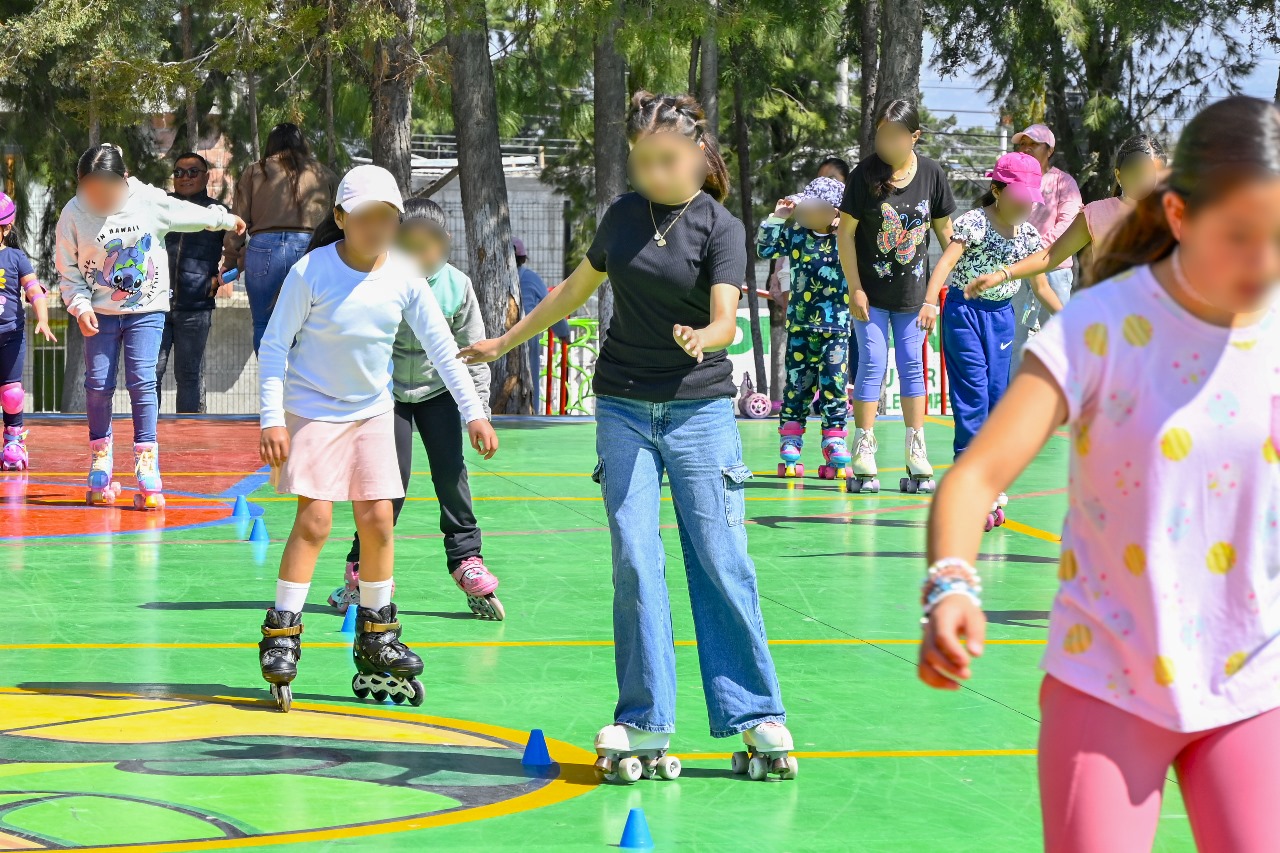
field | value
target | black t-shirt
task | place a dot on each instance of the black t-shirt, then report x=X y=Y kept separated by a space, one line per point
x=893 y=233
x=657 y=287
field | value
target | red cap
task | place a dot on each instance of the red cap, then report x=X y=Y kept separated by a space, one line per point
x=1021 y=176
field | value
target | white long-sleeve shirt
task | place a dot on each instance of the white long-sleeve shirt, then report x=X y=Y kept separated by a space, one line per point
x=326 y=354
x=118 y=264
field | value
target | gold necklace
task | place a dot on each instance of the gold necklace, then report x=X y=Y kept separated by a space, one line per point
x=660 y=237
x=909 y=172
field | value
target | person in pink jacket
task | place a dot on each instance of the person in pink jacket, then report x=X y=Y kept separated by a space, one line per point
x=1062 y=203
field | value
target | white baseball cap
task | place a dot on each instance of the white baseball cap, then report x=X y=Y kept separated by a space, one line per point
x=365 y=184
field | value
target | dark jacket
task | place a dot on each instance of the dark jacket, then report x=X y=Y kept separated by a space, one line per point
x=193 y=262
x=532 y=291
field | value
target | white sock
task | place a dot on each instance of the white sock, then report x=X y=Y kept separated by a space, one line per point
x=376 y=595
x=291 y=596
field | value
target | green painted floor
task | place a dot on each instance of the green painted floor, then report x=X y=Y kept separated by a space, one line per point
x=170 y=613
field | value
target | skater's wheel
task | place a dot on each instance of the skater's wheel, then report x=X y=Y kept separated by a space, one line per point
x=630 y=769
x=799 y=469
x=825 y=473
x=496 y=612
x=738 y=763
x=419 y=694
x=398 y=698
x=358 y=687
x=758 y=768
x=1000 y=518
x=139 y=502
x=793 y=767
x=379 y=695
x=757 y=406
x=926 y=487
x=907 y=486
x=283 y=694
x=668 y=767
x=991 y=523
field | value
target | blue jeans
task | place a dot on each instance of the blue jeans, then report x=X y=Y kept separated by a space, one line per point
x=696 y=443
x=267 y=260
x=977 y=341
x=873 y=355
x=1031 y=315
x=138 y=335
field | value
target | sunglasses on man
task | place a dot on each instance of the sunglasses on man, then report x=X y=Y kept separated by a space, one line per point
x=189 y=173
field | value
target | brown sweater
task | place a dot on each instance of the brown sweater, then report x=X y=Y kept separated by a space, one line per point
x=265 y=201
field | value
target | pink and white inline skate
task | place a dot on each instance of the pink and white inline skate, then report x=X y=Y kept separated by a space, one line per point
x=474 y=578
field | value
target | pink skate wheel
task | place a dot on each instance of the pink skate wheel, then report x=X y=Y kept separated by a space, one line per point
x=757 y=406
x=1000 y=517
x=799 y=469
x=826 y=473
x=782 y=469
x=991 y=523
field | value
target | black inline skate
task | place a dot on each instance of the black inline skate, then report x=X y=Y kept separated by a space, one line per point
x=386 y=668
x=280 y=648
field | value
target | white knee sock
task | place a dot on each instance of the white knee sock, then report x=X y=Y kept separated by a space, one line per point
x=376 y=595
x=291 y=596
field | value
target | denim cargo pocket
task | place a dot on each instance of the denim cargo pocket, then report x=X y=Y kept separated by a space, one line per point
x=735 y=498
x=598 y=475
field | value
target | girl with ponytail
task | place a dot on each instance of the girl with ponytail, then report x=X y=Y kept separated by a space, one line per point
x=1168 y=376
x=664 y=386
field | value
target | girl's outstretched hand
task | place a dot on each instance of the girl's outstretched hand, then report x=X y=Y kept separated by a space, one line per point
x=689 y=340
x=274 y=448
x=483 y=438
x=982 y=284
x=953 y=636
x=42 y=328
x=482 y=352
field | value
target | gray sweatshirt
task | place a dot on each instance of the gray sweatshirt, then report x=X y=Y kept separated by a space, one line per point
x=414 y=377
x=118 y=264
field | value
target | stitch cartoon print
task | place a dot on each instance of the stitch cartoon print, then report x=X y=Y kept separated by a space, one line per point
x=128 y=270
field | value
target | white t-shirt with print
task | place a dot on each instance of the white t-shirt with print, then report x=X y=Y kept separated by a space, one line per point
x=1169 y=603
x=986 y=250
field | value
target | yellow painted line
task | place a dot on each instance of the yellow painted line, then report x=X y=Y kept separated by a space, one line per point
x=1028 y=530
x=891 y=753
x=494 y=644
x=576 y=777
x=934 y=419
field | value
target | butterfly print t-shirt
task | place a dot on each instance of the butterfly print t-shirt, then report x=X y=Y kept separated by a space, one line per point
x=893 y=233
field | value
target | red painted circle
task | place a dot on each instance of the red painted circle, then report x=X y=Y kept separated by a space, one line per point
x=31 y=507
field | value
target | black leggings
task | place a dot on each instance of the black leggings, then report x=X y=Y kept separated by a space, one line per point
x=439 y=424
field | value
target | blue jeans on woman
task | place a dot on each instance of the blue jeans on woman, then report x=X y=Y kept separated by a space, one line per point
x=696 y=443
x=267 y=260
x=138 y=336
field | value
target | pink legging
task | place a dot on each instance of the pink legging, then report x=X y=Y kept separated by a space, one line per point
x=1102 y=775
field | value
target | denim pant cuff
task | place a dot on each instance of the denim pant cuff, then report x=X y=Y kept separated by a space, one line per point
x=666 y=729
x=742 y=727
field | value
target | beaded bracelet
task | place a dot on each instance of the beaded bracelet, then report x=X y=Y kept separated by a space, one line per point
x=1004 y=271
x=947 y=577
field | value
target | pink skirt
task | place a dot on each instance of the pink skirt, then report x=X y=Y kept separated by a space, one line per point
x=350 y=461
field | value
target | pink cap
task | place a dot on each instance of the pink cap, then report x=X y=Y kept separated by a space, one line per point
x=1037 y=133
x=1020 y=173
x=8 y=210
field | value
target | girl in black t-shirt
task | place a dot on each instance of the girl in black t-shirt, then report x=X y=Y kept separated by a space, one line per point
x=892 y=200
x=676 y=259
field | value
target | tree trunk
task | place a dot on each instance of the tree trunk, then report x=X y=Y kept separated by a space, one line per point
x=73 y=369
x=251 y=101
x=742 y=141
x=484 y=197
x=695 y=55
x=899 y=75
x=188 y=52
x=610 y=115
x=1277 y=87
x=870 y=75
x=395 y=70
x=709 y=85
x=330 y=133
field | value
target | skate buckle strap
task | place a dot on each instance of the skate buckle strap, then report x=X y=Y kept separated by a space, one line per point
x=292 y=631
x=378 y=627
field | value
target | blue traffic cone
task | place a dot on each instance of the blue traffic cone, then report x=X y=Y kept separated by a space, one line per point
x=535 y=751
x=241 y=508
x=258 y=533
x=349 y=620
x=635 y=835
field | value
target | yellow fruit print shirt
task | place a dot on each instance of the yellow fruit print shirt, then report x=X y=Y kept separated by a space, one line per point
x=1169 y=602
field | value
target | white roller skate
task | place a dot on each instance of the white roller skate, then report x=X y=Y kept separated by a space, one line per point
x=474 y=578
x=348 y=594
x=102 y=488
x=628 y=753
x=792 y=448
x=769 y=747
x=146 y=467
x=865 y=477
x=14 y=455
x=919 y=479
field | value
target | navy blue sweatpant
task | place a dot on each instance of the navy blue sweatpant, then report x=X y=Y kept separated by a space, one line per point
x=977 y=342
